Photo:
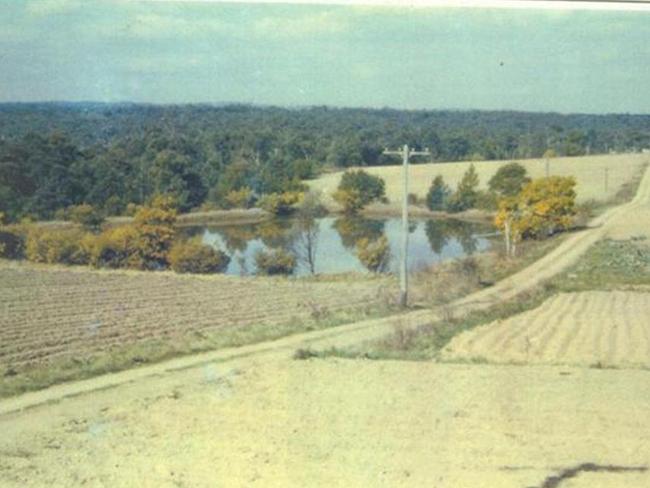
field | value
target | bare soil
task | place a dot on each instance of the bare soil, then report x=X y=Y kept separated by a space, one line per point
x=594 y=328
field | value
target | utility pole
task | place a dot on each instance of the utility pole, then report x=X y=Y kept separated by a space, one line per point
x=406 y=153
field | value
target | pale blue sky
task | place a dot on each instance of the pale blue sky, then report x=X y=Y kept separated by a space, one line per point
x=568 y=61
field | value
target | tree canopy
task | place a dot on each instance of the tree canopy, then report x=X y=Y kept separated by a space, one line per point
x=54 y=155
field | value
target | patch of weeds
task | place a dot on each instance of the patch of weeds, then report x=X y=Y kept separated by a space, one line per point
x=601 y=365
x=302 y=354
x=608 y=264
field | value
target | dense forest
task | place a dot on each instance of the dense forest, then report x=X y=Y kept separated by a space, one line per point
x=53 y=155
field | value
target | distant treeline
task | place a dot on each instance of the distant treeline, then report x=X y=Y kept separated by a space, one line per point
x=53 y=155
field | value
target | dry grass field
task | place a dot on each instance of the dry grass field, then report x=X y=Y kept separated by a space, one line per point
x=51 y=313
x=593 y=328
x=589 y=172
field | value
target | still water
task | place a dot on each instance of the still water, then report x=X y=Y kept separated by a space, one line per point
x=331 y=242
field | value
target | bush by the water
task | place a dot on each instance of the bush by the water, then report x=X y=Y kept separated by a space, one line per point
x=114 y=248
x=358 y=189
x=12 y=242
x=193 y=256
x=56 y=246
x=466 y=195
x=280 y=203
x=242 y=198
x=275 y=261
x=438 y=194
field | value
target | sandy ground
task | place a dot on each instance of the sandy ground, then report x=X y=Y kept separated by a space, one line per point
x=340 y=423
x=589 y=172
x=604 y=328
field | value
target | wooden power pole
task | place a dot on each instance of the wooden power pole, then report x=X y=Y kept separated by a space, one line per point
x=406 y=153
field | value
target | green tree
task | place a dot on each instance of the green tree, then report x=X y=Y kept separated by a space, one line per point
x=438 y=194
x=466 y=195
x=358 y=189
x=509 y=180
x=173 y=174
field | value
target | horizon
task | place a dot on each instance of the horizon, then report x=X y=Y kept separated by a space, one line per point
x=371 y=57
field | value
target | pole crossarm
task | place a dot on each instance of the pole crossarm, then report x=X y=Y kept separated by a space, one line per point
x=405 y=154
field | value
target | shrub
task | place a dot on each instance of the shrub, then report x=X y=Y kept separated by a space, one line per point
x=543 y=207
x=374 y=255
x=132 y=209
x=242 y=198
x=86 y=215
x=275 y=262
x=193 y=256
x=154 y=229
x=358 y=189
x=412 y=199
x=116 y=247
x=509 y=180
x=55 y=246
x=12 y=242
x=438 y=194
x=280 y=203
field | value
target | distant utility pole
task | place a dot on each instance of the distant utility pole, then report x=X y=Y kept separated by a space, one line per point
x=406 y=153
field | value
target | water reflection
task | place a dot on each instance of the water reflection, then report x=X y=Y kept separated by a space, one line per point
x=352 y=229
x=439 y=232
x=330 y=245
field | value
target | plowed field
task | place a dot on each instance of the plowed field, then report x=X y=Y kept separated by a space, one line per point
x=48 y=313
x=605 y=328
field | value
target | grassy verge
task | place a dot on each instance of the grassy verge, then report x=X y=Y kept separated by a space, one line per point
x=607 y=265
x=14 y=382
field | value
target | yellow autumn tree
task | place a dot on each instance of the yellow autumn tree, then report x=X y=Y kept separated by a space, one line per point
x=544 y=206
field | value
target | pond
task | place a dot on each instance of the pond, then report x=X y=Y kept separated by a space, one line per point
x=331 y=242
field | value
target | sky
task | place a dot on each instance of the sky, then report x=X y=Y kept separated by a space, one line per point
x=300 y=55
